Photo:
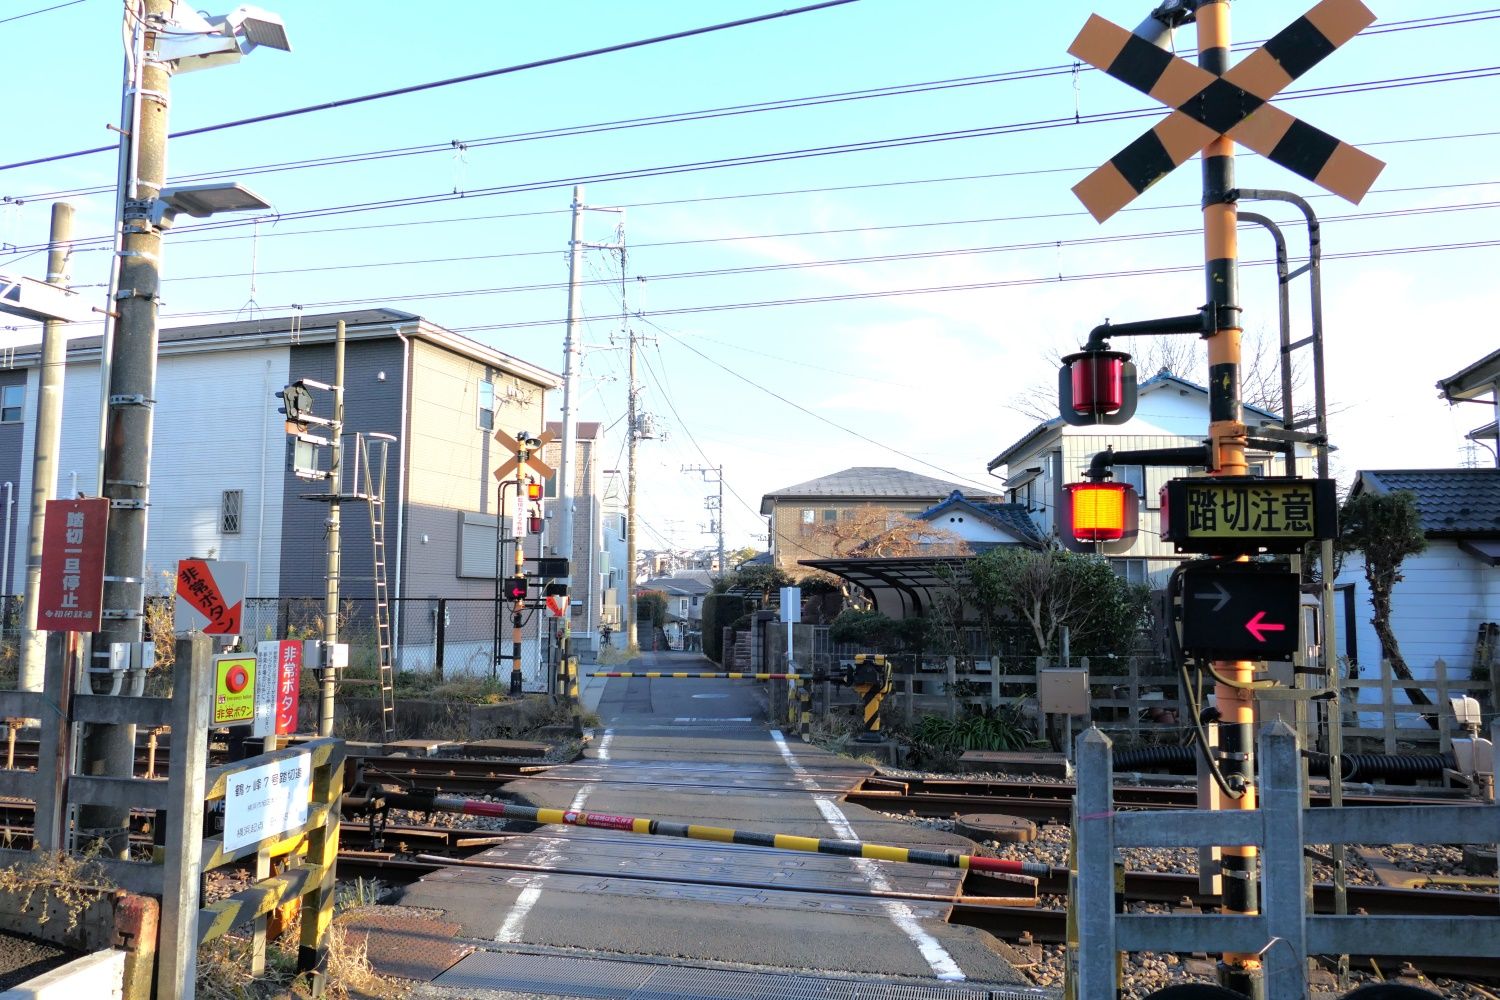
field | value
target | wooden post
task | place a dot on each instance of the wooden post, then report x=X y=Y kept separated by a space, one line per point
x=994 y=683
x=1135 y=698
x=1440 y=674
x=909 y=686
x=177 y=961
x=1037 y=666
x=1387 y=706
x=52 y=764
x=951 y=664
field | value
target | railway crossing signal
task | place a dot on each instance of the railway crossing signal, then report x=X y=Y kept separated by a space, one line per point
x=1235 y=105
x=522 y=454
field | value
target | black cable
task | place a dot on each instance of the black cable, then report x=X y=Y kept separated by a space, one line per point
x=44 y=10
x=782 y=156
x=1438 y=21
x=345 y=102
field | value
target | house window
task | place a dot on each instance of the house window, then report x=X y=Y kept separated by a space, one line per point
x=486 y=415
x=621 y=529
x=230 y=506
x=12 y=404
x=1131 y=570
x=809 y=516
x=830 y=515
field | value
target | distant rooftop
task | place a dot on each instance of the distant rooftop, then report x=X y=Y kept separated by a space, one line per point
x=865 y=482
x=1452 y=502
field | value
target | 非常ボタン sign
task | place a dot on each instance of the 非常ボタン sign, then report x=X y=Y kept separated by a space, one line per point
x=1236 y=105
x=234 y=689
x=71 y=596
x=210 y=596
x=1244 y=514
x=265 y=801
x=1239 y=611
x=278 y=683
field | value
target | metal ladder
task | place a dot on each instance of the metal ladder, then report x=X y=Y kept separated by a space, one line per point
x=374 y=492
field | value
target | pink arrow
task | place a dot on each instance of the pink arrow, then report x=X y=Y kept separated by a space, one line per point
x=1256 y=627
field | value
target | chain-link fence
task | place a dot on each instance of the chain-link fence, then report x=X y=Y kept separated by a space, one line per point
x=448 y=636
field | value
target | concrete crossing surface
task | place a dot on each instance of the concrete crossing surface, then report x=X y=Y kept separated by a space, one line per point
x=576 y=912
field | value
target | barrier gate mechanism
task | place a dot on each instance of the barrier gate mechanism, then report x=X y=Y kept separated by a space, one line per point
x=1284 y=934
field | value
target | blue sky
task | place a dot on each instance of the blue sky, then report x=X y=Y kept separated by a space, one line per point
x=927 y=380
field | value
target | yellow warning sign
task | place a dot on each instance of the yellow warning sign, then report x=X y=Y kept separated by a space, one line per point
x=234 y=689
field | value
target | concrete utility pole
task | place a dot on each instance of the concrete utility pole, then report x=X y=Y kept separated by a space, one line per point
x=633 y=421
x=571 y=351
x=109 y=751
x=718 y=471
x=328 y=681
x=49 y=402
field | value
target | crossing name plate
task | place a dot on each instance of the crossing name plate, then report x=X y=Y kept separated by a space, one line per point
x=266 y=801
x=1244 y=514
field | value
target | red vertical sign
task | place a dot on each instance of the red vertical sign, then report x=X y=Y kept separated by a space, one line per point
x=288 y=685
x=72 y=584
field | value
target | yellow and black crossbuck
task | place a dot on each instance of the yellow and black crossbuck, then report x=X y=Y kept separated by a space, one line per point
x=1236 y=105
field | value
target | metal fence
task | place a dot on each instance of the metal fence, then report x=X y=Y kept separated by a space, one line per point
x=448 y=636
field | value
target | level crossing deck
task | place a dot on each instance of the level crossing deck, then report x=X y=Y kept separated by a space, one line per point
x=665 y=752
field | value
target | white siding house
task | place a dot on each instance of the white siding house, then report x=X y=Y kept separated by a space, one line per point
x=1448 y=592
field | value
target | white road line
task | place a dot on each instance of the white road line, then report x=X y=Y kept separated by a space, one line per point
x=515 y=920
x=942 y=964
x=689 y=718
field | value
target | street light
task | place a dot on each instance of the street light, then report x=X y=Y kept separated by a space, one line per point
x=204 y=42
x=203 y=200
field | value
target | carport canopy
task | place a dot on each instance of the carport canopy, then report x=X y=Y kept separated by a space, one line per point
x=899 y=587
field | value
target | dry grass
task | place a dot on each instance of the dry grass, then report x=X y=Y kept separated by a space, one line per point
x=224 y=964
x=75 y=881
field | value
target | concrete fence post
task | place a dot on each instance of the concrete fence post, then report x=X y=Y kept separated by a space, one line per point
x=1282 y=871
x=1095 y=902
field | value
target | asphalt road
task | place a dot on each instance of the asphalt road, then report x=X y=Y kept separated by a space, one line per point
x=702 y=751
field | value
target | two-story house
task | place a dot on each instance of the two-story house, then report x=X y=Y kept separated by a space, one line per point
x=220 y=483
x=804 y=518
x=1171 y=412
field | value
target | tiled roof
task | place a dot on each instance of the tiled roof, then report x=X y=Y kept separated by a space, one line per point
x=1452 y=502
x=865 y=482
x=1011 y=517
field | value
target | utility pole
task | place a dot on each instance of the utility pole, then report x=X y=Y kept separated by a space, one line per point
x=571 y=351
x=633 y=418
x=1227 y=441
x=109 y=750
x=49 y=402
x=328 y=680
x=714 y=505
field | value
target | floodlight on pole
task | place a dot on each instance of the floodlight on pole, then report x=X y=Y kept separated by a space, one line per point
x=203 y=200
x=199 y=42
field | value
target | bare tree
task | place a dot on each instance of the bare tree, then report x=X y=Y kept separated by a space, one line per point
x=877 y=533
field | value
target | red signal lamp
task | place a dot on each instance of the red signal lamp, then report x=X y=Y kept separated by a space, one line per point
x=1100 y=517
x=1096 y=387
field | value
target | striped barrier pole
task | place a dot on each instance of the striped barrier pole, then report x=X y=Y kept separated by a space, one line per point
x=872 y=679
x=804 y=723
x=573 y=680
x=665 y=675
x=421 y=801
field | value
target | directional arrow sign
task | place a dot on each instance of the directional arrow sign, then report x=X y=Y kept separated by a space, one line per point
x=1239 y=611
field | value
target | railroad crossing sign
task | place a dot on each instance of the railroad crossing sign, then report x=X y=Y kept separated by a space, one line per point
x=1239 y=611
x=1234 y=514
x=1236 y=105
x=533 y=461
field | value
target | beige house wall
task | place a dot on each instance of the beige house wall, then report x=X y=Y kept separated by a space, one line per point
x=792 y=539
x=452 y=458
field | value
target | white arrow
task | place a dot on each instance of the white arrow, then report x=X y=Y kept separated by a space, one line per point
x=1222 y=596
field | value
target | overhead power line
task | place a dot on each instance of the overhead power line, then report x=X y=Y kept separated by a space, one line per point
x=381 y=95
x=44 y=10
